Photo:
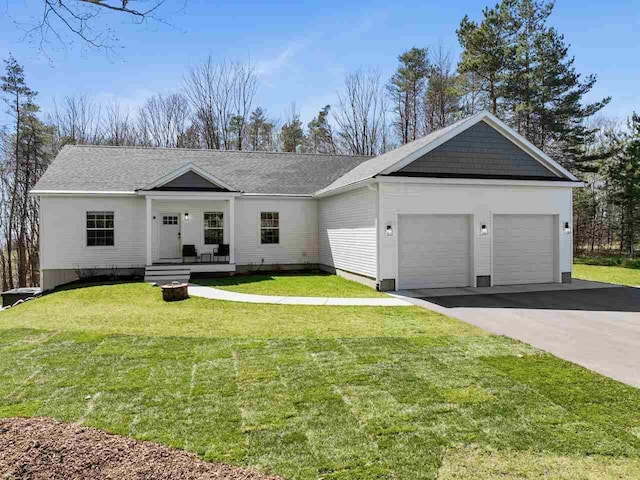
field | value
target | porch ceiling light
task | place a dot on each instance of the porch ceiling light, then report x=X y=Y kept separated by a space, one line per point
x=186 y=217
x=389 y=230
x=484 y=230
x=567 y=228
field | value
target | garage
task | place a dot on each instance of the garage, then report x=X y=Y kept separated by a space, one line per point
x=524 y=249
x=434 y=251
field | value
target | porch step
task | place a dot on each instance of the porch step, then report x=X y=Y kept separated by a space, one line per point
x=163 y=274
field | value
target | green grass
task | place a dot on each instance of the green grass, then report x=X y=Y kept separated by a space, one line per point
x=312 y=392
x=292 y=285
x=619 y=275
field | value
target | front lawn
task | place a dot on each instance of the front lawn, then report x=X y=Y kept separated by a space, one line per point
x=314 y=392
x=619 y=275
x=292 y=285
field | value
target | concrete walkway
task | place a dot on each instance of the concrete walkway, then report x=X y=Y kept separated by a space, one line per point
x=216 y=294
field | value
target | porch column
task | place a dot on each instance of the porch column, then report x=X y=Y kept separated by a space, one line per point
x=149 y=230
x=232 y=230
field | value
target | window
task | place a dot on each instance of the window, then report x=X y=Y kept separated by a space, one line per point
x=269 y=227
x=213 y=228
x=99 y=229
x=170 y=220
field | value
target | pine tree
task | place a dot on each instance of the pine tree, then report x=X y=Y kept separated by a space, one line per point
x=260 y=130
x=320 y=136
x=292 y=134
x=486 y=51
x=407 y=88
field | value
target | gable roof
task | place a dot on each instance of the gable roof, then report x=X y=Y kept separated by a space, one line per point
x=128 y=169
x=189 y=176
x=399 y=158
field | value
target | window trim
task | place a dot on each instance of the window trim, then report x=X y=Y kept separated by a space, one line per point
x=261 y=228
x=205 y=228
x=88 y=229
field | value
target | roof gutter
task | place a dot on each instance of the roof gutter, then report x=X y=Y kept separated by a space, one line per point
x=82 y=193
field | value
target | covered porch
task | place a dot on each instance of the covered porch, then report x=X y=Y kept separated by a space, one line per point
x=193 y=230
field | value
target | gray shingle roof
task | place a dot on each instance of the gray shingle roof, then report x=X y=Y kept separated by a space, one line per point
x=100 y=168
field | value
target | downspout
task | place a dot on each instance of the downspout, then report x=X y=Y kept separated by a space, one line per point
x=376 y=188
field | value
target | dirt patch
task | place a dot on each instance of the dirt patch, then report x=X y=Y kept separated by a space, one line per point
x=41 y=448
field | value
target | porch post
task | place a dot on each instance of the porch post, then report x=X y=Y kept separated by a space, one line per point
x=149 y=228
x=232 y=230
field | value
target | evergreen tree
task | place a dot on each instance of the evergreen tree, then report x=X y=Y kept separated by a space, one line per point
x=487 y=50
x=407 y=89
x=320 y=137
x=622 y=171
x=260 y=130
x=292 y=133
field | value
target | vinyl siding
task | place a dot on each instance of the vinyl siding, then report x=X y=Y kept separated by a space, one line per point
x=63 y=233
x=481 y=202
x=347 y=230
x=298 y=231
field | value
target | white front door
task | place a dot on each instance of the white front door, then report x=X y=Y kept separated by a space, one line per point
x=169 y=235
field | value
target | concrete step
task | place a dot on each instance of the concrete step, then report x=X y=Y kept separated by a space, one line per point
x=163 y=274
x=178 y=266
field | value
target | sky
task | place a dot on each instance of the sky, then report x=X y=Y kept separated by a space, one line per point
x=302 y=50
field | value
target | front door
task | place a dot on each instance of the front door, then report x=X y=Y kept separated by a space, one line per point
x=169 y=235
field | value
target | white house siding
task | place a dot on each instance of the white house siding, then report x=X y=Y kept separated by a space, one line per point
x=63 y=233
x=298 y=231
x=479 y=201
x=347 y=231
x=191 y=231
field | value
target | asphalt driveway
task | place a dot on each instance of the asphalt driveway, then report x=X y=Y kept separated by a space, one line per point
x=594 y=325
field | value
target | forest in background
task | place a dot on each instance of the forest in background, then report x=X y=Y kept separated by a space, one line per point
x=513 y=63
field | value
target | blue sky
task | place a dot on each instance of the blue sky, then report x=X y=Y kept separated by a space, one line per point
x=302 y=50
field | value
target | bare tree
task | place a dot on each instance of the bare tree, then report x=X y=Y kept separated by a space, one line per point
x=76 y=120
x=118 y=128
x=221 y=96
x=162 y=120
x=361 y=114
x=80 y=19
x=442 y=97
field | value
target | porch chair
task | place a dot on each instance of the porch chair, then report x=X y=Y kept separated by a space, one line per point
x=189 y=251
x=222 y=255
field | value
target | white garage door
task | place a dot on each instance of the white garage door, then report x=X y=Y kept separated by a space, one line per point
x=523 y=249
x=433 y=251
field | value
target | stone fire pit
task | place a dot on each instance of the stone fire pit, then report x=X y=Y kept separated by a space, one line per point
x=175 y=291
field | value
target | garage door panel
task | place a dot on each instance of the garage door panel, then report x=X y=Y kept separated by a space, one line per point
x=433 y=251
x=523 y=249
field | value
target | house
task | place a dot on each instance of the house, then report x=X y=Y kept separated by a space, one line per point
x=473 y=204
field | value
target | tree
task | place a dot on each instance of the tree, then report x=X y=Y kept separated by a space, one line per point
x=486 y=50
x=76 y=121
x=26 y=153
x=162 y=120
x=79 y=18
x=442 y=97
x=261 y=131
x=622 y=170
x=361 y=114
x=218 y=93
x=292 y=132
x=320 y=136
x=406 y=89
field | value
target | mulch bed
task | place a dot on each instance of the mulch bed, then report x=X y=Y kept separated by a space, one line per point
x=42 y=448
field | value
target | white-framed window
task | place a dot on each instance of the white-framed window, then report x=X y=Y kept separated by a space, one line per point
x=269 y=227
x=213 y=228
x=170 y=219
x=100 y=229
